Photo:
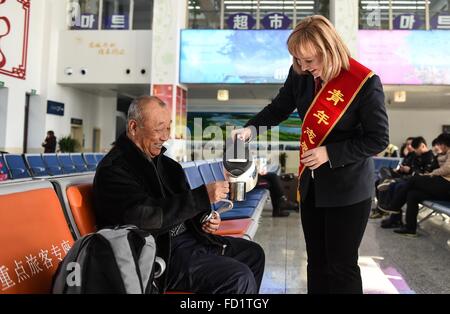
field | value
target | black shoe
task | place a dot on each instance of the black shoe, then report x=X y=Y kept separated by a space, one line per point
x=280 y=213
x=391 y=223
x=406 y=232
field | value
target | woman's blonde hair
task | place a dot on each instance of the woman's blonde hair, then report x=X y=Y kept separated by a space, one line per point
x=315 y=35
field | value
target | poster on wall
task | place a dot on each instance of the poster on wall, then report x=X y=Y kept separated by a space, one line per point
x=165 y=93
x=181 y=116
x=289 y=130
x=14 y=27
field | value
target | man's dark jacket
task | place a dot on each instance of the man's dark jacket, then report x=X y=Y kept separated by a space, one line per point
x=361 y=133
x=150 y=194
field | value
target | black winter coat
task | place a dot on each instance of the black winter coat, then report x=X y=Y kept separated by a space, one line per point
x=362 y=132
x=150 y=194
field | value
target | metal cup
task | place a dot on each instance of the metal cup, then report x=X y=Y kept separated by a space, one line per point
x=237 y=191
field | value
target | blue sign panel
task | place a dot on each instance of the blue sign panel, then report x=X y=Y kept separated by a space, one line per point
x=117 y=21
x=276 y=21
x=241 y=21
x=440 y=21
x=408 y=21
x=56 y=108
x=234 y=56
x=87 y=21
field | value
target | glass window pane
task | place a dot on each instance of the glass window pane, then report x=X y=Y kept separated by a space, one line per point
x=373 y=14
x=83 y=14
x=116 y=14
x=240 y=14
x=408 y=14
x=273 y=14
x=440 y=14
x=143 y=14
x=204 y=14
x=307 y=8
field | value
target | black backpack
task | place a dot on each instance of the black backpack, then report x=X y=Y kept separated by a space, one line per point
x=120 y=260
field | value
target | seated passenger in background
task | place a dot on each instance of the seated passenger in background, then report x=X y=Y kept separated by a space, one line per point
x=392 y=192
x=434 y=185
x=384 y=190
x=136 y=184
x=280 y=203
x=391 y=151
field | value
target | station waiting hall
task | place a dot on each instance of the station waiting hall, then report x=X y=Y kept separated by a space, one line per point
x=224 y=147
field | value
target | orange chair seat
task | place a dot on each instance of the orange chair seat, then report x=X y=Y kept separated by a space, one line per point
x=34 y=238
x=233 y=227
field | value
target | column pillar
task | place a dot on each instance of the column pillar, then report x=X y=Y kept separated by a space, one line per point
x=344 y=16
x=169 y=18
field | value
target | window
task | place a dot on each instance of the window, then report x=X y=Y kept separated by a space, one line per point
x=206 y=16
x=83 y=14
x=408 y=15
x=143 y=14
x=253 y=14
x=440 y=14
x=116 y=14
x=404 y=15
x=373 y=15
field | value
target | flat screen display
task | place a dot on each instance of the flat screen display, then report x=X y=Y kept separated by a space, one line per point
x=407 y=57
x=234 y=56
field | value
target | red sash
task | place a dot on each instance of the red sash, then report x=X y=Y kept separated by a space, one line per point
x=329 y=105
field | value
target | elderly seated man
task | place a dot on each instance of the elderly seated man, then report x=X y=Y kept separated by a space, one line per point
x=137 y=184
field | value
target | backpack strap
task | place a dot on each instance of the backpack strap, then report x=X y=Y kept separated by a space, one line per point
x=118 y=239
x=147 y=259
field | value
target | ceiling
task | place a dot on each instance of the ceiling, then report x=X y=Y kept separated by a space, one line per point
x=417 y=97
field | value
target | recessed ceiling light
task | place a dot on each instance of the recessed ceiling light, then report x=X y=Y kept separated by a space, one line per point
x=223 y=95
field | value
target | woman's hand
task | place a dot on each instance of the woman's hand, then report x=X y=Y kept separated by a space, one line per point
x=212 y=225
x=243 y=134
x=314 y=158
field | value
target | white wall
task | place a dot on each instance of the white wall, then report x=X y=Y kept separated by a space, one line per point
x=12 y=139
x=414 y=122
x=48 y=19
x=127 y=50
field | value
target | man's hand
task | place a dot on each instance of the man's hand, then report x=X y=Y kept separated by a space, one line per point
x=404 y=169
x=211 y=226
x=217 y=190
x=314 y=158
x=243 y=134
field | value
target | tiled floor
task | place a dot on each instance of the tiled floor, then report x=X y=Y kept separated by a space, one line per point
x=389 y=263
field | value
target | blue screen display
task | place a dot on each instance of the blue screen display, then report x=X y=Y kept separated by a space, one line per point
x=234 y=56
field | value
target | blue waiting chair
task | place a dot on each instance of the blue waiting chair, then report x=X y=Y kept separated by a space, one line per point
x=52 y=163
x=66 y=163
x=193 y=177
x=79 y=163
x=247 y=206
x=217 y=170
x=36 y=165
x=16 y=166
x=99 y=157
x=90 y=160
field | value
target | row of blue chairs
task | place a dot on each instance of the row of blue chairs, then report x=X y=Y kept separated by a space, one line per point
x=385 y=162
x=17 y=166
x=204 y=172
